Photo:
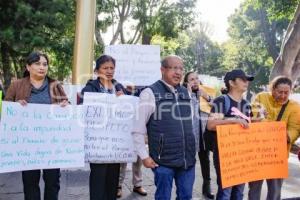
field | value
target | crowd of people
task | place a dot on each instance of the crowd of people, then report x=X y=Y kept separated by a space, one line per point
x=171 y=122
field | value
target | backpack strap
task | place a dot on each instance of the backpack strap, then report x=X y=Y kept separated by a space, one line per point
x=227 y=103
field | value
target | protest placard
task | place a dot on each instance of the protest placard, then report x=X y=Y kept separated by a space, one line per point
x=73 y=92
x=0 y=102
x=137 y=65
x=256 y=153
x=39 y=136
x=108 y=126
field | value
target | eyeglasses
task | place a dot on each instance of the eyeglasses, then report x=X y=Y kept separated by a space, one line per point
x=176 y=68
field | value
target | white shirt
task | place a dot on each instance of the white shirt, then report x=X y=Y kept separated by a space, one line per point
x=145 y=110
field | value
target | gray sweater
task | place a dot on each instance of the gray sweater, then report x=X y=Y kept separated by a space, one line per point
x=40 y=95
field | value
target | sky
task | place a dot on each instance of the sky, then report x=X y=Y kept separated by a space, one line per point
x=216 y=12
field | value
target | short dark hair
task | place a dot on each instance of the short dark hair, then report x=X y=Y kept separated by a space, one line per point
x=103 y=59
x=33 y=57
x=280 y=80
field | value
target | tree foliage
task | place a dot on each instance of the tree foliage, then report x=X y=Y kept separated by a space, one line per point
x=256 y=37
x=276 y=9
x=145 y=19
x=49 y=25
x=201 y=54
x=287 y=62
x=28 y=25
x=256 y=29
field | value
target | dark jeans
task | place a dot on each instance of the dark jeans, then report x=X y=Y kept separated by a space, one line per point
x=104 y=180
x=204 y=162
x=204 y=152
x=31 y=181
x=274 y=189
x=230 y=193
x=184 y=181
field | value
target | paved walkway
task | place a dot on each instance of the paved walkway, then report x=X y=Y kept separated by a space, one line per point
x=74 y=184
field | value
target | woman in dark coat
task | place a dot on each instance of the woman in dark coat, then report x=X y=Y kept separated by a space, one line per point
x=104 y=178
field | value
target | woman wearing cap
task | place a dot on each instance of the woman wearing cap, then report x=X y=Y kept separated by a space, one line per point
x=37 y=87
x=104 y=178
x=236 y=82
x=276 y=106
x=192 y=82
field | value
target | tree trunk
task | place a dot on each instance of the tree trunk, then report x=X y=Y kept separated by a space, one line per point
x=99 y=38
x=199 y=51
x=296 y=68
x=136 y=36
x=269 y=34
x=18 y=67
x=287 y=61
x=61 y=74
x=5 y=64
x=123 y=14
x=146 y=38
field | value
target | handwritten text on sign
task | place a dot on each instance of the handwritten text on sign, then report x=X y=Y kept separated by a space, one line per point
x=257 y=153
x=40 y=136
x=108 y=127
x=136 y=64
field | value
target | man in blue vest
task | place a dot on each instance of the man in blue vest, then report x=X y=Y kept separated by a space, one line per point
x=165 y=115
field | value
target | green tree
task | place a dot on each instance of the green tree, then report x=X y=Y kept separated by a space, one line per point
x=168 y=46
x=255 y=42
x=164 y=18
x=146 y=18
x=199 y=52
x=28 y=25
x=287 y=62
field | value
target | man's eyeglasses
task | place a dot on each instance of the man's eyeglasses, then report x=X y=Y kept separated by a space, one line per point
x=176 y=68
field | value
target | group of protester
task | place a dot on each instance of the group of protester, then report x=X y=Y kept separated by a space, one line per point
x=173 y=136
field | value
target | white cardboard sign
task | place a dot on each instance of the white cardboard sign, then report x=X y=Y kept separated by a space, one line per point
x=39 y=136
x=137 y=65
x=108 y=122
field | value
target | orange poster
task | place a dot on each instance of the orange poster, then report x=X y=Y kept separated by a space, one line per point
x=256 y=153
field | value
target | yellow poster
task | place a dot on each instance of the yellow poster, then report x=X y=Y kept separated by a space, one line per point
x=204 y=105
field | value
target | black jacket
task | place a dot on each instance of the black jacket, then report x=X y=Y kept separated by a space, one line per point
x=94 y=86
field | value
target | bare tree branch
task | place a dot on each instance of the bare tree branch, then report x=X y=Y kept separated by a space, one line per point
x=136 y=33
x=137 y=38
x=128 y=7
x=122 y=18
x=99 y=38
x=122 y=36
